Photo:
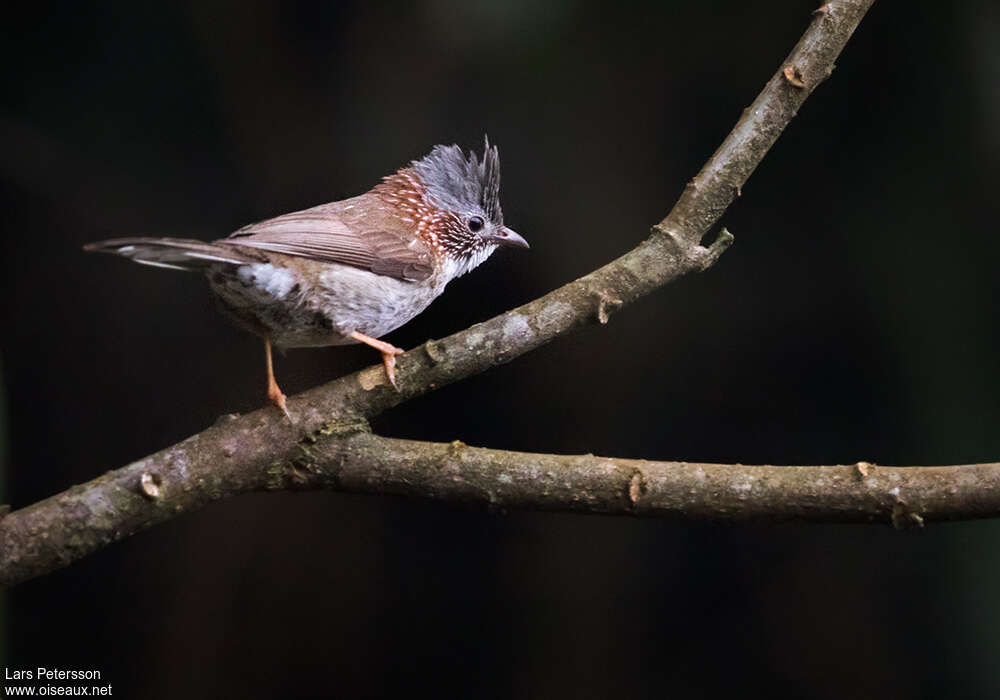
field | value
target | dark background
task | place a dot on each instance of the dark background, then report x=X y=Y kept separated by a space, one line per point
x=854 y=318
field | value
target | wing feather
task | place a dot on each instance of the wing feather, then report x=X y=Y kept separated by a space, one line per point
x=320 y=233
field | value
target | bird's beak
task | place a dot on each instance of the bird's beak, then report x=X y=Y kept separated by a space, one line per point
x=509 y=238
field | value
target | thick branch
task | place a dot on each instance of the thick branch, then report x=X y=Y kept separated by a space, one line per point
x=257 y=450
x=347 y=458
x=862 y=492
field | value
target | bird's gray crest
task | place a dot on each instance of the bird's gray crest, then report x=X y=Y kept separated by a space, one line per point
x=462 y=183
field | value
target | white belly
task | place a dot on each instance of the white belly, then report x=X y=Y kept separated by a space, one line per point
x=268 y=299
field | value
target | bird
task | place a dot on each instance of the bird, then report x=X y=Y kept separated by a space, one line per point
x=353 y=270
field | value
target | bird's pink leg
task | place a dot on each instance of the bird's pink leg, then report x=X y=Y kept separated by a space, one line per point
x=274 y=393
x=388 y=351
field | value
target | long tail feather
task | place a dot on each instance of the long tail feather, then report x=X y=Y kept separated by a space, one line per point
x=171 y=253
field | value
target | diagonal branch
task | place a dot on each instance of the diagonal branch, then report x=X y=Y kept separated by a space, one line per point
x=257 y=450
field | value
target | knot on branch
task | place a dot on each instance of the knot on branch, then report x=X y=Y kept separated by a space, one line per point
x=150 y=485
x=636 y=488
x=697 y=257
x=794 y=76
x=702 y=258
x=903 y=518
x=433 y=352
x=607 y=304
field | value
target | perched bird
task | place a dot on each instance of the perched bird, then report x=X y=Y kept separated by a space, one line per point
x=348 y=271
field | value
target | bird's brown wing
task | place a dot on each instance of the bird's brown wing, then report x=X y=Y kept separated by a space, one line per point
x=329 y=233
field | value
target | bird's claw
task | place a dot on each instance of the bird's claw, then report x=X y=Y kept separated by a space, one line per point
x=388 y=350
x=278 y=398
x=389 y=362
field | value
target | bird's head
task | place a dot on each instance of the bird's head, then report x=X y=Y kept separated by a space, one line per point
x=454 y=200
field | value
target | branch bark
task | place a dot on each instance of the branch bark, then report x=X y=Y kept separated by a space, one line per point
x=862 y=492
x=332 y=449
x=348 y=458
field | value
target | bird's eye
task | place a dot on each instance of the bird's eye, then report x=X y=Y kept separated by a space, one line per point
x=476 y=223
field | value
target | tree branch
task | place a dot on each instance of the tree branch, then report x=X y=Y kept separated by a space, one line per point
x=332 y=448
x=348 y=458
x=862 y=492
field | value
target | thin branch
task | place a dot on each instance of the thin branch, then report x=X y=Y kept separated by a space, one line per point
x=243 y=453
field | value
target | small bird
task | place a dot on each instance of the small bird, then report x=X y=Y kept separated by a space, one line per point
x=348 y=271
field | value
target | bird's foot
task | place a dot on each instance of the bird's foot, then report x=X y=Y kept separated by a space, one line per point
x=389 y=362
x=277 y=397
x=389 y=352
x=273 y=390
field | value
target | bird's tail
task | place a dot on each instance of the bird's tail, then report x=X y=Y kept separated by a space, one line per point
x=171 y=253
